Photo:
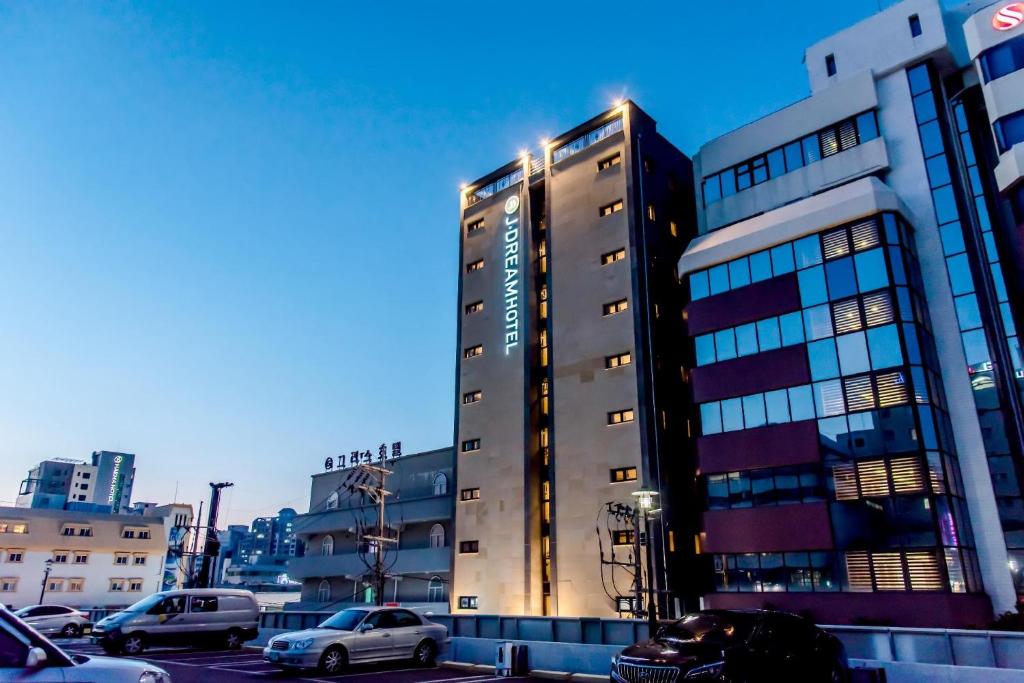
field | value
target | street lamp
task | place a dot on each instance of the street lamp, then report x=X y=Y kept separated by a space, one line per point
x=46 y=575
x=645 y=503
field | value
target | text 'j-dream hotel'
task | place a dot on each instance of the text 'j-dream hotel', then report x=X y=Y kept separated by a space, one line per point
x=806 y=339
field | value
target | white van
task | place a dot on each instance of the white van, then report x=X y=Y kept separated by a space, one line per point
x=191 y=616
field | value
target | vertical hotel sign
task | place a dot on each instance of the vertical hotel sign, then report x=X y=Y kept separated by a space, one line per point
x=513 y=282
x=116 y=479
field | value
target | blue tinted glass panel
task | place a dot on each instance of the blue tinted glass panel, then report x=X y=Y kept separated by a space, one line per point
x=853 y=353
x=998 y=282
x=812 y=152
x=753 y=411
x=899 y=277
x=792 y=325
x=705 y=344
x=1008 y=325
x=812 y=286
x=725 y=344
x=777 y=405
x=818 y=322
x=919 y=80
x=746 y=340
x=871 y=272
x=794 y=156
x=776 y=163
x=711 y=418
x=945 y=205
x=728 y=180
x=807 y=251
x=801 y=403
x=884 y=343
x=867 y=128
x=699 y=285
x=913 y=350
x=931 y=139
x=760 y=266
x=975 y=348
x=768 y=334
x=828 y=398
x=960 y=274
x=924 y=107
x=732 y=415
x=952 y=238
x=967 y=311
x=739 y=273
x=782 y=259
x=822 y=357
x=938 y=171
x=1010 y=130
x=841 y=281
x=719 y=276
x=712 y=190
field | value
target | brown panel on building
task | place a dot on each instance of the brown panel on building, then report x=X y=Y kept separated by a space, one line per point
x=768 y=529
x=943 y=610
x=773 y=446
x=776 y=369
x=746 y=304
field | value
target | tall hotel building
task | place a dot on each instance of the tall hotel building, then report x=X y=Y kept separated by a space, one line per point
x=854 y=306
x=568 y=381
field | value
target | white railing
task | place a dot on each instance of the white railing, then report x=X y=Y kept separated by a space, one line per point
x=959 y=647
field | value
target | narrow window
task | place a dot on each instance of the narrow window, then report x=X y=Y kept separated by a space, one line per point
x=618 y=360
x=475 y=266
x=475 y=227
x=613 y=256
x=621 y=474
x=615 y=307
x=469 y=547
x=473 y=351
x=469 y=494
x=609 y=162
x=474 y=307
x=673 y=228
x=470 y=445
x=830 y=65
x=472 y=396
x=649 y=165
x=617 y=417
x=915 y=25
x=467 y=602
x=609 y=209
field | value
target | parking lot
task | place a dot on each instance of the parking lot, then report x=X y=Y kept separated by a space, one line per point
x=188 y=665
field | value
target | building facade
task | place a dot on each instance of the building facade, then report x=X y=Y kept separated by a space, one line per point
x=103 y=484
x=853 y=306
x=96 y=560
x=257 y=557
x=568 y=391
x=336 y=568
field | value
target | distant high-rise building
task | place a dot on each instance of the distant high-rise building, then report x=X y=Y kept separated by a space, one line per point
x=103 y=484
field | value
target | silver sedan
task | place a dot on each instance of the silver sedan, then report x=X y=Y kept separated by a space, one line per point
x=359 y=635
x=56 y=620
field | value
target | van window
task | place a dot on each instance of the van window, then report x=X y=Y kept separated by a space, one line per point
x=204 y=603
x=230 y=603
x=403 y=618
x=172 y=605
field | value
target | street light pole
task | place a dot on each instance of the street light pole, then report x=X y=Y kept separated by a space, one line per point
x=46 y=577
x=645 y=504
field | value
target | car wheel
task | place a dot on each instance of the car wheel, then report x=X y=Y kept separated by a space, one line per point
x=425 y=653
x=333 y=660
x=70 y=631
x=233 y=639
x=133 y=644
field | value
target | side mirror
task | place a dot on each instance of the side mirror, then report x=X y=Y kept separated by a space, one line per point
x=36 y=658
x=363 y=628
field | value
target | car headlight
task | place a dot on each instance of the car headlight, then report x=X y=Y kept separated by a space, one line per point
x=154 y=677
x=708 y=671
x=302 y=644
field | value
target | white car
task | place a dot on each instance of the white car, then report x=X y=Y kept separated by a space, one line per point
x=56 y=620
x=359 y=635
x=26 y=655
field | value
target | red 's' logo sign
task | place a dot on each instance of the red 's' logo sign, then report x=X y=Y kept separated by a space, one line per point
x=1009 y=17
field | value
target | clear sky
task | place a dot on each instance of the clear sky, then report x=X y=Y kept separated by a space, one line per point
x=228 y=231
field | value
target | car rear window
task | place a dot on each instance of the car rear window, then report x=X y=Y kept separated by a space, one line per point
x=234 y=603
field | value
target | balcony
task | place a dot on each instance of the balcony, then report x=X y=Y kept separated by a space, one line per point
x=411 y=561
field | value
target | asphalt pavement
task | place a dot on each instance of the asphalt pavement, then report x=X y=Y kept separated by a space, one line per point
x=195 y=666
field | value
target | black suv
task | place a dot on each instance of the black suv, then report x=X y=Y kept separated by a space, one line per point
x=735 y=646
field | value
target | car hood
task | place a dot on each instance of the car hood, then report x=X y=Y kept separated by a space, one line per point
x=314 y=633
x=671 y=653
x=108 y=665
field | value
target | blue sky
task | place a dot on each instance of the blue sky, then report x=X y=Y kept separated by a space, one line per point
x=228 y=232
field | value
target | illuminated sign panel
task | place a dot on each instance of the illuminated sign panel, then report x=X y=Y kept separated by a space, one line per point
x=512 y=287
x=1008 y=17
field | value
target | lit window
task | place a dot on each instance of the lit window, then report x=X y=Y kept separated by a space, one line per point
x=618 y=360
x=475 y=227
x=473 y=351
x=615 y=307
x=469 y=494
x=613 y=256
x=619 y=416
x=621 y=474
x=474 y=307
x=673 y=228
x=609 y=162
x=609 y=209
x=652 y=215
x=470 y=445
x=472 y=397
x=466 y=547
x=475 y=266
x=622 y=537
x=467 y=602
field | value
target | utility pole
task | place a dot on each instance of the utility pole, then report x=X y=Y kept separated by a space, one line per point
x=378 y=494
x=211 y=546
x=192 y=573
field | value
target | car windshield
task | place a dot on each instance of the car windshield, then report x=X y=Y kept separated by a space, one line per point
x=708 y=627
x=23 y=612
x=345 y=620
x=145 y=604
